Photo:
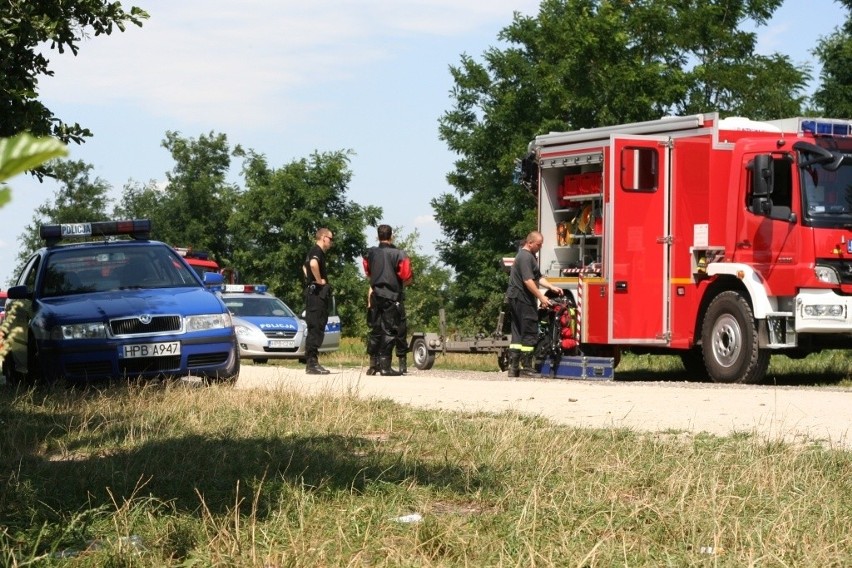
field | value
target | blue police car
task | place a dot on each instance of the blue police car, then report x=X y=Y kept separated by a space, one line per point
x=123 y=306
x=268 y=329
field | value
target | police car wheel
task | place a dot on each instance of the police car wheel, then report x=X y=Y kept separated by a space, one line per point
x=10 y=372
x=34 y=370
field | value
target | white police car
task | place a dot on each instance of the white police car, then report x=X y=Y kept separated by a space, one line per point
x=267 y=328
x=117 y=307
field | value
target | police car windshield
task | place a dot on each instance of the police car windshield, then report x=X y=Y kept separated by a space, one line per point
x=258 y=307
x=113 y=267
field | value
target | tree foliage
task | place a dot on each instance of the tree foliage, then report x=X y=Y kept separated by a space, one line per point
x=834 y=95
x=79 y=198
x=582 y=64
x=198 y=201
x=276 y=219
x=25 y=27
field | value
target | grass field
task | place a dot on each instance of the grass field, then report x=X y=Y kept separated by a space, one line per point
x=174 y=475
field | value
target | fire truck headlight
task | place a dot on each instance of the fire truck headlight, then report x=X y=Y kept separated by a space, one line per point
x=826 y=274
x=824 y=311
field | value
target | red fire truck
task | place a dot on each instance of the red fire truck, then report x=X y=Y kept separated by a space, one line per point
x=720 y=240
x=198 y=260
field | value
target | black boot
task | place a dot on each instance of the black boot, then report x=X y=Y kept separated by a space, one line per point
x=403 y=365
x=514 y=363
x=527 y=367
x=385 y=368
x=314 y=368
x=374 y=365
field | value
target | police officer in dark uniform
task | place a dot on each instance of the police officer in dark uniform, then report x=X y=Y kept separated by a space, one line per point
x=317 y=298
x=389 y=270
x=522 y=294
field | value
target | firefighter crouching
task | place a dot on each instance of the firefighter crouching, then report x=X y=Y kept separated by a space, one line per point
x=522 y=294
x=389 y=270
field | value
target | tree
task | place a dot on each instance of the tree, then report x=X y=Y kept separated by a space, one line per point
x=25 y=27
x=834 y=95
x=194 y=207
x=139 y=201
x=79 y=198
x=581 y=64
x=278 y=215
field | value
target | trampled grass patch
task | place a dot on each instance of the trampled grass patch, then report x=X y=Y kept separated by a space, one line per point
x=171 y=475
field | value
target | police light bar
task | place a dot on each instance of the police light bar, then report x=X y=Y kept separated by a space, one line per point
x=826 y=127
x=136 y=228
x=248 y=288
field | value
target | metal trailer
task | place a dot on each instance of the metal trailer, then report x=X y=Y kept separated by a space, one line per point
x=424 y=345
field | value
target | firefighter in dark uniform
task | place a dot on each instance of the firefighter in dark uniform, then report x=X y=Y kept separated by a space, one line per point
x=389 y=271
x=525 y=279
x=317 y=298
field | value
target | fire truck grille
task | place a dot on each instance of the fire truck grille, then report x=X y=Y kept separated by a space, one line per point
x=843 y=268
x=134 y=325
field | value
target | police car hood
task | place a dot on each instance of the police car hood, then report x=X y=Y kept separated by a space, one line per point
x=100 y=306
x=274 y=323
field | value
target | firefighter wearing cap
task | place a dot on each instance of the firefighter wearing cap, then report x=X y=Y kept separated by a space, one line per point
x=389 y=271
x=525 y=281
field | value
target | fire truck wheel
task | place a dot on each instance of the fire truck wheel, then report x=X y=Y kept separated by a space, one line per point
x=693 y=363
x=423 y=357
x=730 y=343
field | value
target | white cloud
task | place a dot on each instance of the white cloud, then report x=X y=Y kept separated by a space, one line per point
x=425 y=221
x=243 y=63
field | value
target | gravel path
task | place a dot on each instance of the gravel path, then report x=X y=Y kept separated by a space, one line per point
x=795 y=414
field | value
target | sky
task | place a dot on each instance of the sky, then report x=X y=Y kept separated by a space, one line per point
x=286 y=79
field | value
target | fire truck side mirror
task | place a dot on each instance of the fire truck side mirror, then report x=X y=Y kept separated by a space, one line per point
x=762 y=178
x=762 y=182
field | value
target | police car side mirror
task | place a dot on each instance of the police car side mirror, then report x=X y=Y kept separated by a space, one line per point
x=18 y=293
x=212 y=279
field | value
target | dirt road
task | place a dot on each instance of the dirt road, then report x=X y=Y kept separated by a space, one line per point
x=790 y=413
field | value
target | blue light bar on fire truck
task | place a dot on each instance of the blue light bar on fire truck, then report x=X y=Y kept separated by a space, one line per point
x=136 y=228
x=246 y=288
x=825 y=126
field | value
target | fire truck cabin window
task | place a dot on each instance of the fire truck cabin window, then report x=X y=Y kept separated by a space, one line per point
x=782 y=192
x=639 y=169
x=782 y=182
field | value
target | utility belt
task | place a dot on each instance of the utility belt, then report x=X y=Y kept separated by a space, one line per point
x=386 y=294
x=321 y=290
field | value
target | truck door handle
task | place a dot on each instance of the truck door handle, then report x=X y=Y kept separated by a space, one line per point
x=746 y=244
x=621 y=286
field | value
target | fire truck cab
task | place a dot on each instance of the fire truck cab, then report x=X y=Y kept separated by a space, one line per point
x=199 y=261
x=721 y=240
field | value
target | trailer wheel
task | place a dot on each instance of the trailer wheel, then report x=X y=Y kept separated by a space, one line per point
x=730 y=342
x=423 y=357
